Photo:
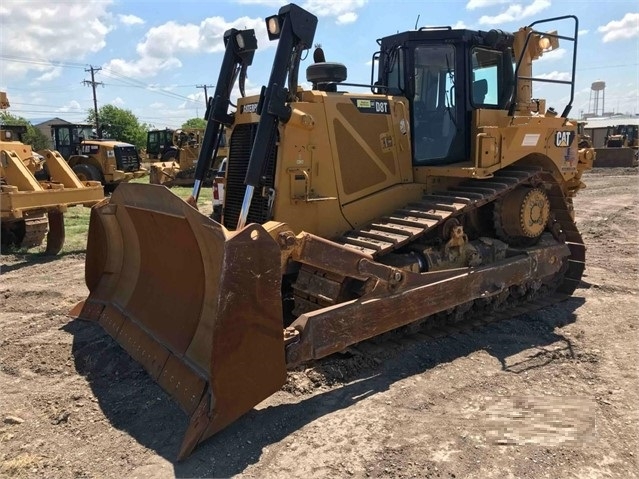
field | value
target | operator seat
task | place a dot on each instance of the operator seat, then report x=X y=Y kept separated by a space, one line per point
x=480 y=89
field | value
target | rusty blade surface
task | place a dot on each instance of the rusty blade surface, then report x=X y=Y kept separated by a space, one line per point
x=198 y=306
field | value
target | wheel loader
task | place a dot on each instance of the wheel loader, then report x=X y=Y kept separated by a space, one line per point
x=35 y=191
x=179 y=152
x=439 y=192
x=109 y=161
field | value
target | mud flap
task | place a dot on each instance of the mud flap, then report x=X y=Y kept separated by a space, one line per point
x=198 y=306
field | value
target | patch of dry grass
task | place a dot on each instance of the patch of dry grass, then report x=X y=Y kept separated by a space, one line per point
x=19 y=466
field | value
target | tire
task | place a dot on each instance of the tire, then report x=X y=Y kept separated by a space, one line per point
x=326 y=72
x=43 y=174
x=86 y=172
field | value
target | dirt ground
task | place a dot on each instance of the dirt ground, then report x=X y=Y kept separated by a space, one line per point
x=545 y=395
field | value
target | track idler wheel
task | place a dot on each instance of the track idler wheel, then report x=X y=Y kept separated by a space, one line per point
x=522 y=216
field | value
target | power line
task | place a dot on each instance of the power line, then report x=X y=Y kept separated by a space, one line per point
x=14 y=104
x=41 y=61
x=599 y=67
x=110 y=73
x=132 y=82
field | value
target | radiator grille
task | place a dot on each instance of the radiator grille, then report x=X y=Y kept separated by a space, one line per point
x=240 y=151
x=126 y=158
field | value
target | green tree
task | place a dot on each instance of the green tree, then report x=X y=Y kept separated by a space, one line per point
x=33 y=136
x=120 y=124
x=194 y=123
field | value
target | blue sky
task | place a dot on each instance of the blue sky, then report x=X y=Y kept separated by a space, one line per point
x=153 y=54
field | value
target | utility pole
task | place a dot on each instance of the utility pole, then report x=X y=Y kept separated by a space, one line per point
x=93 y=83
x=206 y=95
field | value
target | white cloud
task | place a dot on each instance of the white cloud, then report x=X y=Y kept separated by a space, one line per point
x=348 y=17
x=119 y=102
x=130 y=19
x=625 y=28
x=553 y=55
x=555 y=76
x=73 y=105
x=163 y=45
x=195 y=100
x=267 y=3
x=334 y=8
x=344 y=11
x=140 y=68
x=474 y=4
x=583 y=32
x=515 y=12
x=165 y=40
x=66 y=31
x=49 y=75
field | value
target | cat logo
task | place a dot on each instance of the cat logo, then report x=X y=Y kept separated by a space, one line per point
x=564 y=138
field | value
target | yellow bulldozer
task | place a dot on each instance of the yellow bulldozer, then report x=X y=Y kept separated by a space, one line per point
x=178 y=152
x=35 y=191
x=435 y=194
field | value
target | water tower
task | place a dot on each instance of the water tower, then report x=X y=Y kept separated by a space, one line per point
x=597 y=90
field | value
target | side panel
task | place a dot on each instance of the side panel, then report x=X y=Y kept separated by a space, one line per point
x=342 y=159
x=371 y=153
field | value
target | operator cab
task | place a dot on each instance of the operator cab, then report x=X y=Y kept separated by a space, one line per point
x=446 y=74
x=67 y=139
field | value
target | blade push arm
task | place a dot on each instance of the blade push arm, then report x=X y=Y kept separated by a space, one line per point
x=240 y=48
x=295 y=29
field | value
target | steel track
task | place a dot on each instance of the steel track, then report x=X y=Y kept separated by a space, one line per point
x=390 y=233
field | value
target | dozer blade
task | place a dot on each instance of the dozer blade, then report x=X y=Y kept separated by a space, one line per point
x=198 y=306
x=615 y=157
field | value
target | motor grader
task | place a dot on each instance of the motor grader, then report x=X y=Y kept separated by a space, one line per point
x=440 y=192
x=179 y=151
x=35 y=191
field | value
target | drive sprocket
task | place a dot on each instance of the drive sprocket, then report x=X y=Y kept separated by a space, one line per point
x=522 y=215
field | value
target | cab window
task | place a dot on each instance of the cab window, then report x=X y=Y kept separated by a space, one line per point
x=434 y=115
x=486 y=88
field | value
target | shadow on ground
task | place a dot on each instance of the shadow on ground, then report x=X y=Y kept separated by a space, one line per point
x=135 y=404
x=25 y=259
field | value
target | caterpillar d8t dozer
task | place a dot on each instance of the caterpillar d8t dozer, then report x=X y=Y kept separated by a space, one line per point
x=441 y=192
x=35 y=191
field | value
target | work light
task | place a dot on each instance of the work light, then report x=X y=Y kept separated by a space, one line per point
x=273 y=27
